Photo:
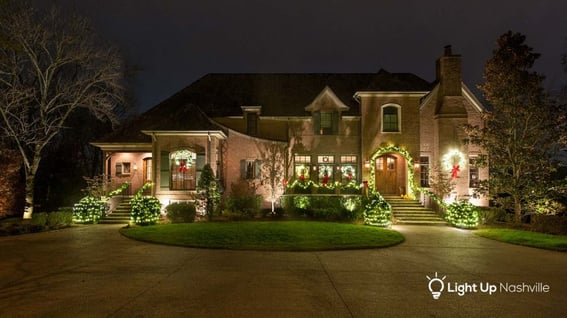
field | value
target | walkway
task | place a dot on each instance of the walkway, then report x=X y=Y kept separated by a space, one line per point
x=92 y=271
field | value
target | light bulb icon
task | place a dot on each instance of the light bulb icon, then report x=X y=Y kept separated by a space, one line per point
x=436 y=285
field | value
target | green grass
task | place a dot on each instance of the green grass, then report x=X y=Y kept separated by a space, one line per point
x=526 y=238
x=276 y=236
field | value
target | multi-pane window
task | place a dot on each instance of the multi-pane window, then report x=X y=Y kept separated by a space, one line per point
x=182 y=168
x=348 y=168
x=122 y=169
x=390 y=119
x=250 y=169
x=424 y=172
x=326 y=123
x=302 y=165
x=325 y=167
x=474 y=179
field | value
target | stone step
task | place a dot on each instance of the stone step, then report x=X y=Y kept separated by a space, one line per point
x=120 y=214
x=406 y=211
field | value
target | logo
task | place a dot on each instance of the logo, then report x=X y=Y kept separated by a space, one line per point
x=436 y=285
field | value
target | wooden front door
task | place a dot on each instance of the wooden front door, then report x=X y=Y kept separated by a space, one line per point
x=386 y=175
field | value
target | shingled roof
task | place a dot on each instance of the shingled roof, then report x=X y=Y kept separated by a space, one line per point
x=220 y=95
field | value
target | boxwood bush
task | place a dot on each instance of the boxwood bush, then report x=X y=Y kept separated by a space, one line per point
x=145 y=210
x=181 y=212
x=462 y=214
x=88 y=210
x=323 y=207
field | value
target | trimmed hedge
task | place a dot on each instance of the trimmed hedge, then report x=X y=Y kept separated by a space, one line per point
x=323 y=207
x=181 y=212
x=551 y=224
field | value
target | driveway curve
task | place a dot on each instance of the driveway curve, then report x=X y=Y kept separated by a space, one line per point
x=93 y=271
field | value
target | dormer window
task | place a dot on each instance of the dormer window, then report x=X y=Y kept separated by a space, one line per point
x=326 y=110
x=391 y=118
x=251 y=118
x=326 y=123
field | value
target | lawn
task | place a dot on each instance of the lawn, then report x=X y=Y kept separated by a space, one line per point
x=526 y=238
x=274 y=236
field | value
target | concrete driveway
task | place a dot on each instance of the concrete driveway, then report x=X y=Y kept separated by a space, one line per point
x=92 y=271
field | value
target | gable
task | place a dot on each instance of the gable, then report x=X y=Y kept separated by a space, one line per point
x=327 y=101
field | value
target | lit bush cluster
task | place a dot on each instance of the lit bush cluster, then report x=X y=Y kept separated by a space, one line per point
x=89 y=210
x=378 y=211
x=462 y=214
x=145 y=209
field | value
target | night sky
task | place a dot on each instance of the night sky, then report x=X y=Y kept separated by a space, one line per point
x=175 y=42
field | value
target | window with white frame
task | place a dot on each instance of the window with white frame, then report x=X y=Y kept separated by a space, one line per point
x=325 y=168
x=391 y=118
x=348 y=168
x=123 y=169
x=302 y=167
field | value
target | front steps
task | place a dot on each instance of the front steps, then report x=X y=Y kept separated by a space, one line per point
x=120 y=215
x=406 y=211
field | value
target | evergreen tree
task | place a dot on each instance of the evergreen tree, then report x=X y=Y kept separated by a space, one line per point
x=209 y=187
x=521 y=132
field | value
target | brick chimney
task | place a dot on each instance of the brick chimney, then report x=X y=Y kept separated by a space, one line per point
x=449 y=73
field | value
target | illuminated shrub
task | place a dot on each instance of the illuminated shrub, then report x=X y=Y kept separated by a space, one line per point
x=462 y=214
x=145 y=210
x=377 y=212
x=324 y=207
x=88 y=210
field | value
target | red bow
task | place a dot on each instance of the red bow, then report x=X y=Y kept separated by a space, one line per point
x=455 y=171
x=183 y=167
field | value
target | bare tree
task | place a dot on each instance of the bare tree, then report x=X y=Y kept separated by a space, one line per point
x=51 y=65
x=273 y=168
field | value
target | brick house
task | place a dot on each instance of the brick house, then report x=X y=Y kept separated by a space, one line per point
x=384 y=130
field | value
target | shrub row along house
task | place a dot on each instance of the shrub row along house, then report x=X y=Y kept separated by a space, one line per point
x=382 y=130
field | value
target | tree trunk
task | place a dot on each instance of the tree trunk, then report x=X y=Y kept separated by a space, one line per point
x=517 y=209
x=30 y=185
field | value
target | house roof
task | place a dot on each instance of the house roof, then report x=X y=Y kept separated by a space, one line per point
x=282 y=94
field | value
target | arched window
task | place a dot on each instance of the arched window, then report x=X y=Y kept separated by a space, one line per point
x=391 y=118
x=183 y=172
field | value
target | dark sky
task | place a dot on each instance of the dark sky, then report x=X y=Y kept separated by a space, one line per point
x=177 y=41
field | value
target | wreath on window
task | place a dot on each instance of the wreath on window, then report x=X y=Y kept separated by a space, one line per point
x=454 y=161
x=348 y=172
x=325 y=173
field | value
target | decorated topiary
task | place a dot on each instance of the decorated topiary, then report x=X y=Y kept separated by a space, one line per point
x=377 y=212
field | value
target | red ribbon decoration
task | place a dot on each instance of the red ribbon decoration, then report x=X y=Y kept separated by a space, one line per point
x=455 y=171
x=183 y=167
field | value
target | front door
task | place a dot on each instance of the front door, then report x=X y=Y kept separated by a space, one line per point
x=386 y=175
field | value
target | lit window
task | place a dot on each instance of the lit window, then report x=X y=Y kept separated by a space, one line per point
x=302 y=165
x=348 y=168
x=183 y=174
